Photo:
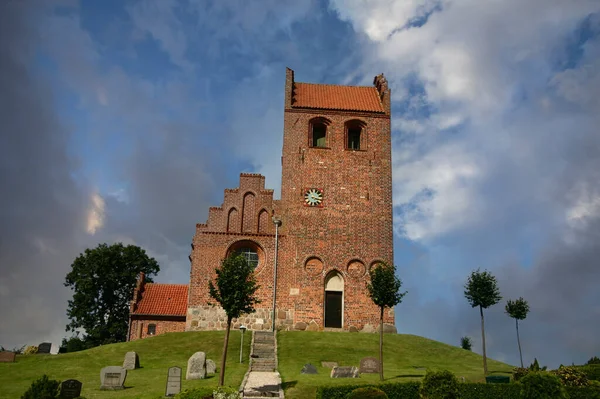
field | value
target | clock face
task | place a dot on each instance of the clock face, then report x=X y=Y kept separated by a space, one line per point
x=313 y=197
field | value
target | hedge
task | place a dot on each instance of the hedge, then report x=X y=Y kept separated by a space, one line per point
x=467 y=390
x=592 y=371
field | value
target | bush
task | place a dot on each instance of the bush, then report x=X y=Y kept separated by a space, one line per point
x=592 y=371
x=542 y=385
x=30 y=350
x=440 y=385
x=589 y=392
x=226 y=393
x=466 y=343
x=571 y=376
x=42 y=388
x=73 y=344
x=198 y=393
x=519 y=372
x=404 y=390
x=367 y=393
x=470 y=390
x=593 y=360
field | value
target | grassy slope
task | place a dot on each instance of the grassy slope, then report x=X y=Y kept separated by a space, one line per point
x=156 y=354
x=404 y=355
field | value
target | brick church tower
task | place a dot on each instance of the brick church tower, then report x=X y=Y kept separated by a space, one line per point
x=314 y=247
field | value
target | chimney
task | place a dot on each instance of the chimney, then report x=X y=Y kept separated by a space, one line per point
x=385 y=93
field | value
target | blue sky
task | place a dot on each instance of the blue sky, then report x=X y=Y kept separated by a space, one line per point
x=126 y=120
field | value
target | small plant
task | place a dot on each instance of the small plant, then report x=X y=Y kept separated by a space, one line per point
x=198 y=393
x=571 y=377
x=226 y=393
x=466 y=343
x=440 y=385
x=542 y=385
x=30 y=350
x=519 y=372
x=367 y=393
x=42 y=388
x=593 y=360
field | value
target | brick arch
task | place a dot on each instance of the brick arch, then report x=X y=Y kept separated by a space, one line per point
x=263 y=221
x=314 y=122
x=239 y=244
x=233 y=220
x=352 y=126
x=248 y=213
x=356 y=268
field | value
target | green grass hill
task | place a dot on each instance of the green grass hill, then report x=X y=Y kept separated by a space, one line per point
x=406 y=358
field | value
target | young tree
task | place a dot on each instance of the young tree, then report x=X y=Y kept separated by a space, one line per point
x=481 y=290
x=384 y=290
x=466 y=343
x=234 y=289
x=517 y=310
x=103 y=280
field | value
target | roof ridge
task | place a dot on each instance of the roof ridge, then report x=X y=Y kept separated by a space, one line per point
x=336 y=85
x=187 y=285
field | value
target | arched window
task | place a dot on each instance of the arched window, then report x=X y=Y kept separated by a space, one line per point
x=355 y=135
x=318 y=132
x=249 y=250
x=151 y=329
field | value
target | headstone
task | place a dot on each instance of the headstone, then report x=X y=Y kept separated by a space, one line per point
x=70 y=389
x=344 y=372
x=313 y=326
x=173 y=381
x=369 y=365
x=7 y=357
x=300 y=326
x=112 y=378
x=309 y=369
x=329 y=365
x=196 y=367
x=353 y=329
x=211 y=367
x=132 y=361
x=44 y=347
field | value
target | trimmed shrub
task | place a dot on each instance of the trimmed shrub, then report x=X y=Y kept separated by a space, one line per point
x=542 y=385
x=404 y=390
x=367 y=393
x=519 y=372
x=571 y=377
x=589 y=392
x=30 y=350
x=473 y=390
x=43 y=388
x=440 y=385
x=198 y=393
x=592 y=371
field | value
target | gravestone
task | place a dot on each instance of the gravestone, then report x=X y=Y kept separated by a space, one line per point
x=344 y=372
x=70 y=389
x=44 y=347
x=173 y=381
x=369 y=365
x=112 y=378
x=211 y=367
x=7 y=357
x=329 y=365
x=196 y=367
x=309 y=369
x=132 y=361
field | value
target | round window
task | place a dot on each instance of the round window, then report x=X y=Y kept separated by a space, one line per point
x=250 y=254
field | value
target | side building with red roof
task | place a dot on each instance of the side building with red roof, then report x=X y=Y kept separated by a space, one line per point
x=157 y=308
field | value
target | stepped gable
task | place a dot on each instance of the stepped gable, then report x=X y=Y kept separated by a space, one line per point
x=246 y=209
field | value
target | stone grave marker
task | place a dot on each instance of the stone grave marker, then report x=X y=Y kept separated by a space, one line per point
x=196 y=367
x=112 y=378
x=329 y=365
x=211 y=367
x=70 y=389
x=7 y=357
x=44 y=347
x=132 y=361
x=309 y=369
x=344 y=372
x=369 y=365
x=173 y=381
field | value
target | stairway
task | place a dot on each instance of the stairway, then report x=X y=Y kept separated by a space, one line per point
x=262 y=356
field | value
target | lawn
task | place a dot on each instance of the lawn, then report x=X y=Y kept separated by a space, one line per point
x=156 y=354
x=406 y=358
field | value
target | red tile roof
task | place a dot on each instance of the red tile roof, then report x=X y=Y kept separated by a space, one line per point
x=163 y=299
x=348 y=98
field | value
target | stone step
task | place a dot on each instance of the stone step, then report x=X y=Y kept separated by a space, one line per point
x=263 y=360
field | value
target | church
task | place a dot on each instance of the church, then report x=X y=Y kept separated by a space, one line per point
x=313 y=248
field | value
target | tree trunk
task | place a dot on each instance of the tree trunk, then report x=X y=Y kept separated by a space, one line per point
x=485 y=371
x=222 y=372
x=381 y=344
x=519 y=342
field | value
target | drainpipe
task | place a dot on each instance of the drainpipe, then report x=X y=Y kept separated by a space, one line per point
x=277 y=223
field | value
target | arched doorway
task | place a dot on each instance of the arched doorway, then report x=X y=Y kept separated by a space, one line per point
x=334 y=300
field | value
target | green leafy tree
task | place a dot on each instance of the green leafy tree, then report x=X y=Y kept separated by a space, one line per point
x=235 y=290
x=517 y=310
x=466 y=343
x=384 y=290
x=103 y=280
x=481 y=290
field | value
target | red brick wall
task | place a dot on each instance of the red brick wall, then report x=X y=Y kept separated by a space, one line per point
x=139 y=327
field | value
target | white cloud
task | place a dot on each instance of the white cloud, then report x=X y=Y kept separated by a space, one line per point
x=95 y=216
